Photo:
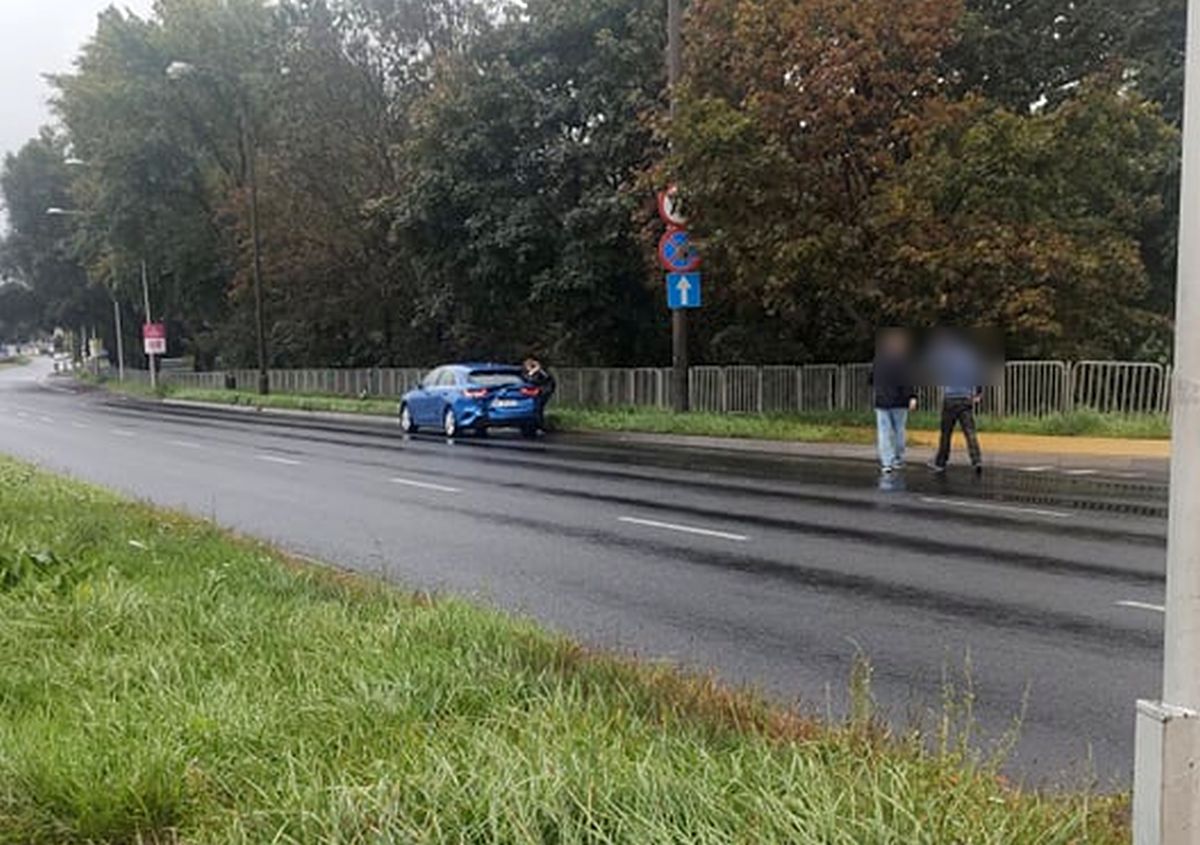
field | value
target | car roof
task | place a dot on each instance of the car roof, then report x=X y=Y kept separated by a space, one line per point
x=486 y=366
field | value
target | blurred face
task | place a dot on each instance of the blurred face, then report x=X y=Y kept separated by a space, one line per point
x=893 y=342
x=532 y=365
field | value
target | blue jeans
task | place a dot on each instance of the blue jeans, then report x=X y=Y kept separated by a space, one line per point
x=891 y=425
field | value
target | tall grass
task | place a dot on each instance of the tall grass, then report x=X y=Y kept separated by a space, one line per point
x=849 y=426
x=162 y=682
x=811 y=427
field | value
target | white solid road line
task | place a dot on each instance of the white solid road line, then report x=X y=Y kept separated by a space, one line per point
x=1082 y=472
x=684 y=529
x=47 y=420
x=1141 y=605
x=185 y=444
x=122 y=432
x=424 y=485
x=1036 y=469
x=957 y=503
x=275 y=460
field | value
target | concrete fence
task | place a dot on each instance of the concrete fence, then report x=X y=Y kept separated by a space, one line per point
x=1025 y=388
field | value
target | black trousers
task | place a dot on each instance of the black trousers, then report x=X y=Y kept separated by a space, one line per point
x=956 y=411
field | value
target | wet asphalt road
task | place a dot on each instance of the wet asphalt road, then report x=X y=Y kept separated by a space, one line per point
x=774 y=572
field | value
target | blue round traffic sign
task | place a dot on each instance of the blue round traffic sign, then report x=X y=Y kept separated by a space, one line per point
x=677 y=252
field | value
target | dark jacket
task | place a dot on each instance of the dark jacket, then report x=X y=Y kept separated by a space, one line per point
x=542 y=378
x=892 y=380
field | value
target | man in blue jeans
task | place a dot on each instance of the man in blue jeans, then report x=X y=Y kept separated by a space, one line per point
x=895 y=396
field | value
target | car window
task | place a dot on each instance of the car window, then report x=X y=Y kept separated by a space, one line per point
x=496 y=378
x=449 y=378
x=432 y=378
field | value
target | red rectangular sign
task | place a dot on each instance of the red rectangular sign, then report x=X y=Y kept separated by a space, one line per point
x=154 y=337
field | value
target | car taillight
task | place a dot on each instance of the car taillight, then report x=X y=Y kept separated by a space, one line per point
x=531 y=391
x=475 y=393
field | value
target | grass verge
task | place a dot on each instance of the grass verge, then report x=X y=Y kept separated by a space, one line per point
x=849 y=426
x=291 y=401
x=795 y=428
x=816 y=427
x=371 y=406
x=164 y=682
x=13 y=361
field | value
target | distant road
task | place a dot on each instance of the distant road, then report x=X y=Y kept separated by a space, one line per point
x=771 y=571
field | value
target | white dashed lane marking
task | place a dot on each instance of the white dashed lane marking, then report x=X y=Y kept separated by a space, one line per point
x=987 y=506
x=684 y=529
x=424 y=485
x=1141 y=605
x=272 y=459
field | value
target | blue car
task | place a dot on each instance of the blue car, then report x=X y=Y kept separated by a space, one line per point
x=475 y=397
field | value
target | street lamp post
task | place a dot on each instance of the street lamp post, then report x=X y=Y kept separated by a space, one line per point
x=149 y=319
x=120 y=340
x=1166 y=790
x=249 y=147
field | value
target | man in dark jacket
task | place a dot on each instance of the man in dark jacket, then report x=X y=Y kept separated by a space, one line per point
x=538 y=376
x=960 y=371
x=895 y=396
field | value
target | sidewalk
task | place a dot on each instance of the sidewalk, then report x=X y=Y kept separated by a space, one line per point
x=1015 y=451
x=1032 y=444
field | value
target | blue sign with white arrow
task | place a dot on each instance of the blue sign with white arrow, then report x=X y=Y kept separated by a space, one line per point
x=683 y=291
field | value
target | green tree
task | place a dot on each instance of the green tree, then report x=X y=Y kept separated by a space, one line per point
x=1029 y=224
x=792 y=115
x=148 y=183
x=515 y=220
x=1033 y=51
x=39 y=251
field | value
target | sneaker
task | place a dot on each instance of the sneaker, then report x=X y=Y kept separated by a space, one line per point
x=936 y=468
x=899 y=465
x=887 y=470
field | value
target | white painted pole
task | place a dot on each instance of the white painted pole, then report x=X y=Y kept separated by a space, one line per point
x=149 y=319
x=1167 y=773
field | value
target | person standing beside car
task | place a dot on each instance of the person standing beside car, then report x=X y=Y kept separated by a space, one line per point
x=538 y=376
x=895 y=396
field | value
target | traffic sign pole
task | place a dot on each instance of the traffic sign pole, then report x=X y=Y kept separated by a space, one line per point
x=1166 y=790
x=679 y=328
x=149 y=319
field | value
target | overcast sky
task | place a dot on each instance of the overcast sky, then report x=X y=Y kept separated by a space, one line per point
x=37 y=37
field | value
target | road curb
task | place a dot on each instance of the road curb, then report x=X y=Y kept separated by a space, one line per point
x=375 y=420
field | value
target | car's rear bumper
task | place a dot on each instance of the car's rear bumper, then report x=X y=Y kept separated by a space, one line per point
x=490 y=417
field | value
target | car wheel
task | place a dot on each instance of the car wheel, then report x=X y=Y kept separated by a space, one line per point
x=406 y=421
x=449 y=423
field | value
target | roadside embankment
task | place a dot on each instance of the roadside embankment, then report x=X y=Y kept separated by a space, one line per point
x=163 y=681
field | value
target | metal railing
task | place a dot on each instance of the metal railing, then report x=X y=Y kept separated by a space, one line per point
x=1025 y=388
